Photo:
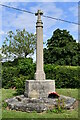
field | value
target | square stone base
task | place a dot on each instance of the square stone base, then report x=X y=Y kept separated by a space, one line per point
x=39 y=88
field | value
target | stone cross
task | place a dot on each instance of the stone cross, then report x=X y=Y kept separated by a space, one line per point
x=39 y=88
x=39 y=75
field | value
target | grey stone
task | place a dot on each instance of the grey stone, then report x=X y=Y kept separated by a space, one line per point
x=39 y=75
x=39 y=88
x=68 y=101
x=39 y=104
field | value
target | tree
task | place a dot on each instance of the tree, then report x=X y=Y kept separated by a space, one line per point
x=0 y=57
x=19 y=44
x=61 y=49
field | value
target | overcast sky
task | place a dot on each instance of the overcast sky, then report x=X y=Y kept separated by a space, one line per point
x=12 y=19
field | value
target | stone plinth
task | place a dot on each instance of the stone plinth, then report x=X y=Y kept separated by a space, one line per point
x=39 y=88
x=21 y=103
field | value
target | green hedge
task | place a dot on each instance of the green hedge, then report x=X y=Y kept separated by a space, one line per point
x=15 y=73
x=8 y=75
x=64 y=76
x=12 y=72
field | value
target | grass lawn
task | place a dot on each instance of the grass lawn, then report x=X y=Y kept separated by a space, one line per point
x=8 y=93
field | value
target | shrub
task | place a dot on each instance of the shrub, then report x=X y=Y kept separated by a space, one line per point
x=15 y=73
x=8 y=74
x=20 y=84
x=15 y=69
x=26 y=68
x=64 y=76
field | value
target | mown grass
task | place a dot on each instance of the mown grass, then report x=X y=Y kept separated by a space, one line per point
x=19 y=114
x=8 y=93
x=69 y=92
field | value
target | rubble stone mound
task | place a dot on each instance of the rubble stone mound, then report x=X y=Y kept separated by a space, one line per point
x=21 y=103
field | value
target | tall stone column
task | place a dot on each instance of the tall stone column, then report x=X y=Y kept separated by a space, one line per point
x=39 y=75
x=39 y=88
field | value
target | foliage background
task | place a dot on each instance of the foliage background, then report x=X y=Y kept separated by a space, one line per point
x=62 y=49
x=61 y=60
x=14 y=74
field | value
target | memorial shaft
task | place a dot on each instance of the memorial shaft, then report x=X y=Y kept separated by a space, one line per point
x=39 y=75
x=39 y=88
